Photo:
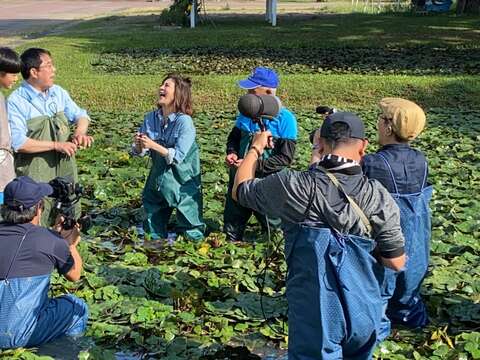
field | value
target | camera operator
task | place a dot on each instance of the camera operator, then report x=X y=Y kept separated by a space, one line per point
x=333 y=218
x=28 y=255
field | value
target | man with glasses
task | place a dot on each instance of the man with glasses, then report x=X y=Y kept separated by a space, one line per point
x=40 y=114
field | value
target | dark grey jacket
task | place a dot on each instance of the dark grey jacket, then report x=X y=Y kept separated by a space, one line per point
x=310 y=196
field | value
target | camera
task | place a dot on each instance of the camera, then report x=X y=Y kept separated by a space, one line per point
x=66 y=194
x=324 y=111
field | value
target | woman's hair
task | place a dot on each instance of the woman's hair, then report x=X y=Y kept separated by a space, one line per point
x=9 y=61
x=182 y=101
x=388 y=122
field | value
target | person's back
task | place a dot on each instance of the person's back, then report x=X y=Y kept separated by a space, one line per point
x=404 y=172
x=334 y=218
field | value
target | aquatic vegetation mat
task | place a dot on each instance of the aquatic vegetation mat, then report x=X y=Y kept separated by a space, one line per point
x=189 y=300
x=420 y=60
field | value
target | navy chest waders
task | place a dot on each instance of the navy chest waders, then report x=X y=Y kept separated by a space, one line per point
x=402 y=290
x=333 y=293
x=29 y=318
x=334 y=302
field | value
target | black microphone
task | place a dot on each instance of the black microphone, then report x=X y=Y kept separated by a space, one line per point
x=256 y=106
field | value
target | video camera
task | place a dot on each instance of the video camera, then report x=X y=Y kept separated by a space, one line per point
x=66 y=194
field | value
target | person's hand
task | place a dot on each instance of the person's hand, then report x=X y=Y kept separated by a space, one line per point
x=231 y=159
x=238 y=162
x=138 y=143
x=262 y=140
x=146 y=142
x=68 y=148
x=316 y=140
x=81 y=140
x=72 y=235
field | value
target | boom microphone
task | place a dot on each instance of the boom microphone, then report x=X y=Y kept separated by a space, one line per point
x=256 y=106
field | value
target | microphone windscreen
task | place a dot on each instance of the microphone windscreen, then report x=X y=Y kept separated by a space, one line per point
x=254 y=106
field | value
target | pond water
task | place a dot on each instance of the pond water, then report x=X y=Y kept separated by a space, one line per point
x=69 y=349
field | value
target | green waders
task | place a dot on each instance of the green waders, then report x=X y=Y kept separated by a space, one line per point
x=174 y=186
x=235 y=216
x=47 y=165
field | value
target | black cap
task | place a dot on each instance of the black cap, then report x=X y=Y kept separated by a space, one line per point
x=354 y=123
x=24 y=192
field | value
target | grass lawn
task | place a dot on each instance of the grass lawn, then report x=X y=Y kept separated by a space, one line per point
x=189 y=301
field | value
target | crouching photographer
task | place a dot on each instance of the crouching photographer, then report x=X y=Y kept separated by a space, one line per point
x=28 y=255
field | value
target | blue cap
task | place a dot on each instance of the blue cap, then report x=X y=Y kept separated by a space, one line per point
x=24 y=192
x=260 y=76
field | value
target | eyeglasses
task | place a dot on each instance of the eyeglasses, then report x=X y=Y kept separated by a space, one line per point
x=47 y=66
x=384 y=118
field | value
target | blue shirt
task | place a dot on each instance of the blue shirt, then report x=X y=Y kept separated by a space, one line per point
x=409 y=167
x=283 y=126
x=26 y=103
x=176 y=132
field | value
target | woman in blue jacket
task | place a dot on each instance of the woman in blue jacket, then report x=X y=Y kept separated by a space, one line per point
x=168 y=134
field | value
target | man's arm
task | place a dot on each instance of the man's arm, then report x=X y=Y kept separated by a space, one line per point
x=397 y=263
x=233 y=147
x=233 y=141
x=32 y=146
x=285 y=144
x=76 y=270
x=23 y=144
x=385 y=220
x=246 y=171
x=80 y=136
x=282 y=156
x=285 y=194
x=76 y=114
x=72 y=237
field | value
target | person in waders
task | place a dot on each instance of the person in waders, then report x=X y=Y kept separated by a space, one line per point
x=40 y=114
x=403 y=171
x=9 y=68
x=168 y=135
x=30 y=253
x=340 y=228
x=262 y=81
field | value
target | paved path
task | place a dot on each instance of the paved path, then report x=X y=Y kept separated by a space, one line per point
x=21 y=17
x=21 y=20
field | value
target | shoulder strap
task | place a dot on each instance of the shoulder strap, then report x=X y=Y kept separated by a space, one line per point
x=311 y=196
x=15 y=256
x=424 y=183
x=390 y=171
x=352 y=202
